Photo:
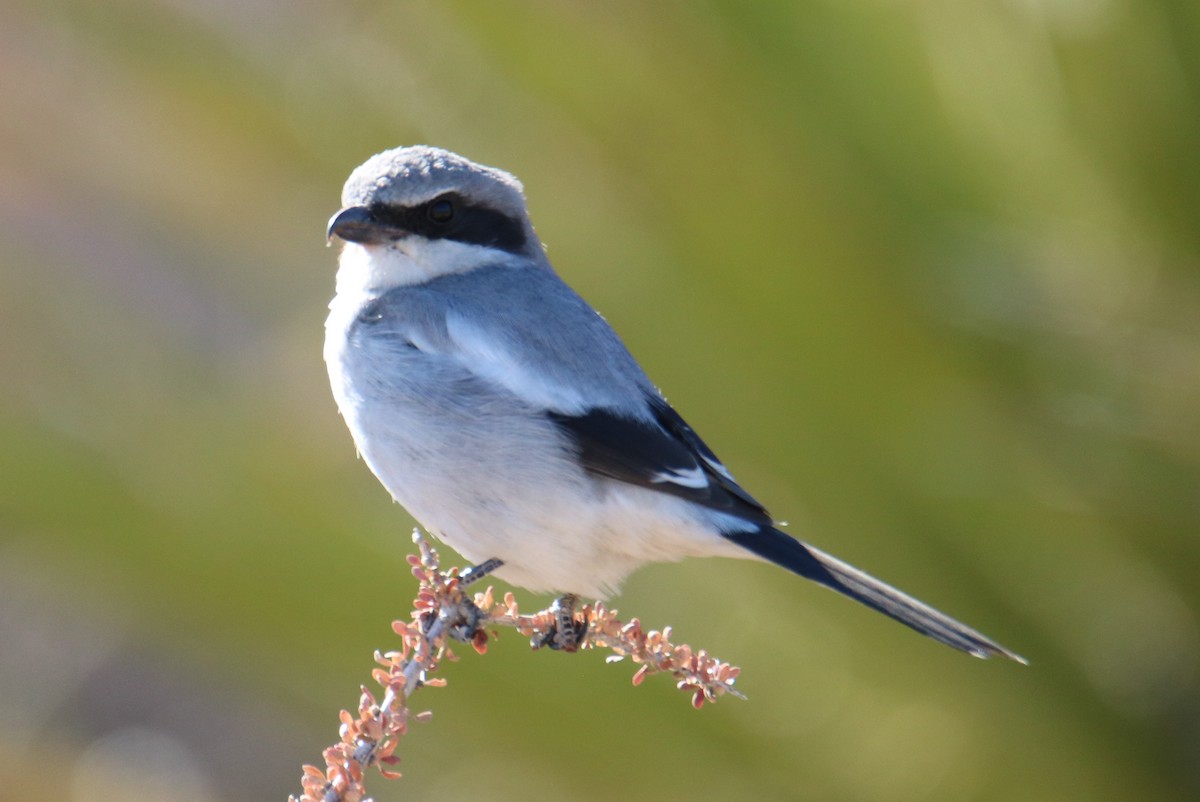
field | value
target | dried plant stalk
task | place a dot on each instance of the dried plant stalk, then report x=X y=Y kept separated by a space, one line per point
x=443 y=612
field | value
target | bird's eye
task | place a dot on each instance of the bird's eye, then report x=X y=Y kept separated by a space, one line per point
x=441 y=211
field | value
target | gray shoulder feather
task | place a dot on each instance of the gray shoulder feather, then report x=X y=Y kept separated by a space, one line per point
x=526 y=331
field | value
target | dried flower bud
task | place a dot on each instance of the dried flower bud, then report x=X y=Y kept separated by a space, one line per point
x=441 y=605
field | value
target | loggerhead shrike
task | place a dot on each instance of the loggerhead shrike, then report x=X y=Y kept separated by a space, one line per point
x=507 y=416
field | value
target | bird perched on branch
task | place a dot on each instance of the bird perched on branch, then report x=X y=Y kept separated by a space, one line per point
x=507 y=416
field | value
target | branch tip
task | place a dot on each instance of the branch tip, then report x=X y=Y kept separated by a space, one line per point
x=443 y=611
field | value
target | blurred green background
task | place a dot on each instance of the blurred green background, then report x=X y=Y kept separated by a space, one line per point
x=925 y=274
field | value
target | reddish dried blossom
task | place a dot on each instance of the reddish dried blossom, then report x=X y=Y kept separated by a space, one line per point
x=371 y=737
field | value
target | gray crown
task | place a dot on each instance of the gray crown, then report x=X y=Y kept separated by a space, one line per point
x=413 y=175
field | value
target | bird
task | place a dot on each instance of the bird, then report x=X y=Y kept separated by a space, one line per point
x=508 y=417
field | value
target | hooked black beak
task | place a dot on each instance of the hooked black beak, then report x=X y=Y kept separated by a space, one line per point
x=357 y=224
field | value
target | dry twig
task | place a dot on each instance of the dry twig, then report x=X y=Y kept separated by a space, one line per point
x=443 y=611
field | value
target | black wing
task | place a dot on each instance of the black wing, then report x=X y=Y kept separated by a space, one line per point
x=662 y=454
x=666 y=455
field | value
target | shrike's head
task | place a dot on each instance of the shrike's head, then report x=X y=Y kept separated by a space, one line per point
x=412 y=214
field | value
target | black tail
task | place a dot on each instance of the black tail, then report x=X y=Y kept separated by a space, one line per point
x=810 y=563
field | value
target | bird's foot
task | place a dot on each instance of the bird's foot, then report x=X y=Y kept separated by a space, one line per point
x=462 y=619
x=566 y=634
x=473 y=573
x=463 y=616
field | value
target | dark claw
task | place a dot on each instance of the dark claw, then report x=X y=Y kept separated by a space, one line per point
x=567 y=633
x=463 y=620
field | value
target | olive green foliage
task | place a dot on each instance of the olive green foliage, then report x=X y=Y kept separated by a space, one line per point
x=925 y=275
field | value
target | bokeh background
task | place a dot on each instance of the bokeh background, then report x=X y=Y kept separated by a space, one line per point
x=925 y=274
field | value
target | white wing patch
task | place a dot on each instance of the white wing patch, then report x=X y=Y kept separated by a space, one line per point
x=718 y=467
x=692 y=477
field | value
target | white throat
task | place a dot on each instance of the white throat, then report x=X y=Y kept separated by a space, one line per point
x=373 y=269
